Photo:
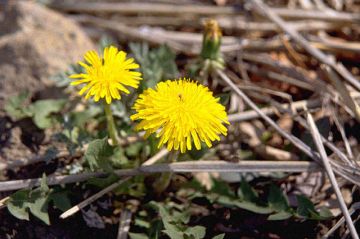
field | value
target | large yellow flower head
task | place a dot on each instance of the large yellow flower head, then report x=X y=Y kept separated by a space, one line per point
x=181 y=112
x=107 y=76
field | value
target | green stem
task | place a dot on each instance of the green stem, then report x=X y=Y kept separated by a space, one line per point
x=111 y=124
x=163 y=182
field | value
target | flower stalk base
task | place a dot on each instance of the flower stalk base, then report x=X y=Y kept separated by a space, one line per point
x=111 y=124
x=163 y=182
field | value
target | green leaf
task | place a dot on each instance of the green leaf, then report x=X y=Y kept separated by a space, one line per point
x=133 y=235
x=198 y=154
x=325 y=213
x=253 y=207
x=247 y=193
x=172 y=230
x=98 y=154
x=224 y=98
x=250 y=206
x=39 y=209
x=42 y=109
x=222 y=188
x=44 y=188
x=35 y=200
x=164 y=214
x=220 y=236
x=156 y=64
x=105 y=41
x=104 y=181
x=280 y=216
x=266 y=136
x=14 y=106
x=60 y=200
x=155 y=229
x=174 y=219
x=119 y=160
x=50 y=154
x=277 y=200
x=132 y=187
x=134 y=149
x=305 y=207
x=18 y=212
x=196 y=232
x=182 y=216
x=79 y=119
x=17 y=204
x=322 y=215
x=141 y=223
x=62 y=79
x=38 y=201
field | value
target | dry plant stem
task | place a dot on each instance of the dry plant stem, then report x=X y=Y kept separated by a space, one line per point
x=343 y=92
x=294 y=75
x=291 y=108
x=3 y=202
x=252 y=87
x=186 y=42
x=242 y=24
x=144 y=7
x=196 y=39
x=93 y=198
x=111 y=124
x=87 y=201
x=280 y=77
x=354 y=207
x=276 y=44
x=177 y=167
x=294 y=140
x=162 y=153
x=225 y=23
x=335 y=46
x=170 y=9
x=329 y=144
x=320 y=147
x=124 y=224
x=265 y=151
x=252 y=114
x=341 y=129
x=134 y=33
x=263 y=9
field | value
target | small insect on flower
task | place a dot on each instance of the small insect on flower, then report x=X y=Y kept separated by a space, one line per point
x=181 y=112
x=107 y=76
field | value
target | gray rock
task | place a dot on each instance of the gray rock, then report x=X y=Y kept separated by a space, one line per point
x=36 y=43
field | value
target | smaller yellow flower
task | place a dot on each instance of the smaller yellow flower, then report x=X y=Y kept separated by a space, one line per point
x=107 y=76
x=181 y=112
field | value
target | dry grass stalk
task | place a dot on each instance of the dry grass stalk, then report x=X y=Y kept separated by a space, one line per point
x=273 y=16
x=177 y=167
x=320 y=147
x=170 y=9
x=124 y=224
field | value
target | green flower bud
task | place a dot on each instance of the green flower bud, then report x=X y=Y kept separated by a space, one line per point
x=211 y=40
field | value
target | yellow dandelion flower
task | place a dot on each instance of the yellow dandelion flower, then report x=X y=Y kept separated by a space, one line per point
x=181 y=112
x=107 y=76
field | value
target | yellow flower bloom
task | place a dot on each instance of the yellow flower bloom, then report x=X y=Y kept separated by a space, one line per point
x=181 y=112
x=107 y=76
